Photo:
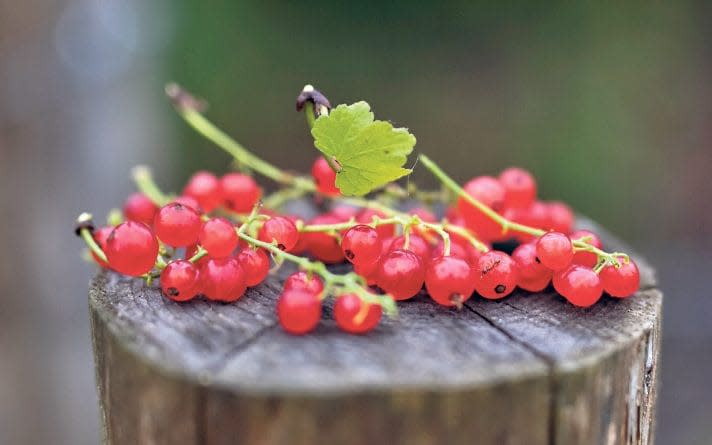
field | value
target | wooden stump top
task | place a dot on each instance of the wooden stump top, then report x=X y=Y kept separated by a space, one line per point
x=565 y=358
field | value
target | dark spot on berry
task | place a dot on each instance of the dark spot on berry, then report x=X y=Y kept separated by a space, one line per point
x=537 y=260
x=172 y=292
x=281 y=246
x=491 y=266
x=500 y=288
x=178 y=206
x=349 y=254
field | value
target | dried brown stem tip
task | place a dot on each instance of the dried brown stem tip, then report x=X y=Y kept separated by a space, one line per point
x=183 y=100
x=309 y=94
x=84 y=221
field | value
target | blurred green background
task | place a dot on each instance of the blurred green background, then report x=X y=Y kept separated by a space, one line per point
x=609 y=105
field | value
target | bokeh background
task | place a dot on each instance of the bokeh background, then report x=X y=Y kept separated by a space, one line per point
x=609 y=105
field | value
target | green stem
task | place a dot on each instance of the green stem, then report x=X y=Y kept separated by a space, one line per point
x=504 y=222
x=309 y=113
x=144 y=182
x=206 y=128
x=346 y=283
x=86 y=235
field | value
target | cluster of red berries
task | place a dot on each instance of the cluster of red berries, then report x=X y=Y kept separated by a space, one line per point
x=218 y=263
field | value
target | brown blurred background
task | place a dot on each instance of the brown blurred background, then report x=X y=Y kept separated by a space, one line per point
x=611 y=108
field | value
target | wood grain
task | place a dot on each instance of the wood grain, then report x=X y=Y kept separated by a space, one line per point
x=529 y=369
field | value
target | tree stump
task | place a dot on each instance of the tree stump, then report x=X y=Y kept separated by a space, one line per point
x=529 y=369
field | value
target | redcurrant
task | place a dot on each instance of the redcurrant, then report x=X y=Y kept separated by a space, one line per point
x=580 y=285
x=255 y=263
x=324 y=177
x=530 y=267
x=496 y=275
x=448 y=281
x=324 y=246
x=361 y=245
x=218 y=237
x=621 y=282
x=588 y=259
x=554 y=250
x=204 y=187
x=180 y=280
x=239 y=192
x=489 y=192
x=177 y=225
x=222 y=279
x=351 y=315
x=519 y=187
x=138 y=207
x=302 y=282
x=401 y=274
x=131 y=248
x=298 y=311
x=280 y=230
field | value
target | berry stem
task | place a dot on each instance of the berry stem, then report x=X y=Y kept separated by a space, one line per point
x=504 y=222
x=144 y=182
x=243 y=156
x=86 y=235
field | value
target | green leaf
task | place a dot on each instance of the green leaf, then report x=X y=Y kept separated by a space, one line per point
x=371 y=153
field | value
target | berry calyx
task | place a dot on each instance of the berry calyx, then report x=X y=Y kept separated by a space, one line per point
x=555 y=250
x=255 y=263
x=180 y=280
x=138 y=207
x=177 y=225
x=302 y=282
x=448 y=281
x=496 y=275
x=218 y=237
x=580 y=285
x=222 y=279
x=239 y=192
x=298 y=311
x=622 y=281
x=204 y=187
x=519 y=187
x=361 y=245
x=401 y=274
x=324 y=177
x=131 y=248
x=356 y=316
x=281 y=231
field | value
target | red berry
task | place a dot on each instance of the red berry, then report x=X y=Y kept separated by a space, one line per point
x=554 y=250
x=298 y=311
x=496 y=275
x=489 y=192
x=177 y=225
x=140 y=209
x=300 y=281
x=204 y=187
x=361 y=245
x=417 y=245
x=448 y=280
x=369 y=271
x=324 y=246
x=365 y=216
x=535 y=215
x=180 y=280
x=280 y=230
x=530 y=267
x=218 y=237
x=324 y=177
x=588 y=259
x=100 y=236
x=401 y=274
x=561 y=217
x=239 y=192
x=352 y=317
x=222 y=279
x=344 y=213
x=580 y=285
x=519 y=187
x=621 y=282
x=131 y=248
x=255 y=263
x=536 y=284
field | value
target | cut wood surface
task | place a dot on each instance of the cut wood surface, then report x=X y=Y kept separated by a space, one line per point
x=529 y=369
